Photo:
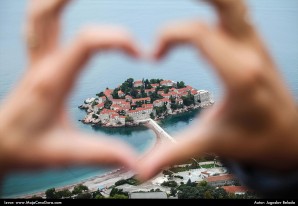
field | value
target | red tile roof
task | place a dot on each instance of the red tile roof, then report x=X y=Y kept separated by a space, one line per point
x=165 y=82
x=139 y=109
x=107 y=111
x=141 y=99
x=154 y=85
x=235 y=189
x=119 y=101
x=220 y=178
x=193 y=92
x=108 y=92
x=150 y=106
x=101 y=105
x=172 y=93
x=165 y=100
x=165 y=95
x=138 y=83
x=114 y=115
x=182 y=90
x=149 y=90
x=157 y=101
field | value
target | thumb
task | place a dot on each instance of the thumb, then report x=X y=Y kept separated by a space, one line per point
x=191 y=143
x=83 y=149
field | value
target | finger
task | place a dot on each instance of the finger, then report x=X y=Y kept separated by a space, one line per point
x=81 y=149
x=42 y=28
x=201 y=36
x=90 y=41
x=191 y=143
x=216 y=47
x=58 y=73
x=179 y=33
x=234 y=17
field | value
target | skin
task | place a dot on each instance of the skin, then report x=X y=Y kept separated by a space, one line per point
x=256 y=122
x=35 y=129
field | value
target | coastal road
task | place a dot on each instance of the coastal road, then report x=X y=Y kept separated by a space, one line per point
x=162 y=135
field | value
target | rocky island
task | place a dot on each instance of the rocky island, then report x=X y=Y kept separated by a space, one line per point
x=135 y=101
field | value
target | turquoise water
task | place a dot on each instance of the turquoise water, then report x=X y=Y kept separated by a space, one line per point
x=276 y=20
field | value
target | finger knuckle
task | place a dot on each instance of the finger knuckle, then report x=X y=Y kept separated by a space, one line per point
x=86 y=33
x=254 y=71
x=42 y=88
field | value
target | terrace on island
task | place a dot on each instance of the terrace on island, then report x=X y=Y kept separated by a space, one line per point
x=135 y=101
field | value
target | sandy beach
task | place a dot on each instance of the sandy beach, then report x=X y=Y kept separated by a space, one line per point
x=93 y=183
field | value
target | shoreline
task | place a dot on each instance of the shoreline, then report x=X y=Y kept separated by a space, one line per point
x=140 y=124
x=92 y=183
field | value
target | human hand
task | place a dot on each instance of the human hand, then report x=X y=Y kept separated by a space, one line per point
x=35 y=131
x=255 y=123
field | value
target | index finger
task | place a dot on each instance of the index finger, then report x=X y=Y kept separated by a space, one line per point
x=233 y=16
x=42 y=27
x=57 y=74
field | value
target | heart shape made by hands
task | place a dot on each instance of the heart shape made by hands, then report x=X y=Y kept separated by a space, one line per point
x=247 y=125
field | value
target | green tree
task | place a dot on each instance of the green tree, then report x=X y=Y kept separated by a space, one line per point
x=95 y=194
x=147 y=84
x=120 y=182
x=85 y=196
x=108 y=104
x=169 y=184
x=173 y=192
x=166 y=90
x=101 y=94
x=153 y=81
x=180 y=85
x=133 y=181
x=208 y=195
x=63 y=194
x=78 y=189
x=219 y=193
x=115 y=93
x=203 y=184
x=119 y=196
x=152 y=116
x=139 y=104
x=188 y=192
x=51 y=193
x=130 y=82
x=128 y=119
x=174 y=106
x=134 y=93
x=188 y=100
x=116 y=191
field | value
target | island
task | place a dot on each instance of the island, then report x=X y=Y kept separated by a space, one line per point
x=135 y=101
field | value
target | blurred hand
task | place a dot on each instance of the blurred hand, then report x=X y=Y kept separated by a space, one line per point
x=256 y=122
x=35 y=131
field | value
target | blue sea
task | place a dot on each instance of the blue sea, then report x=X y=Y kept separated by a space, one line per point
x=275 y=19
